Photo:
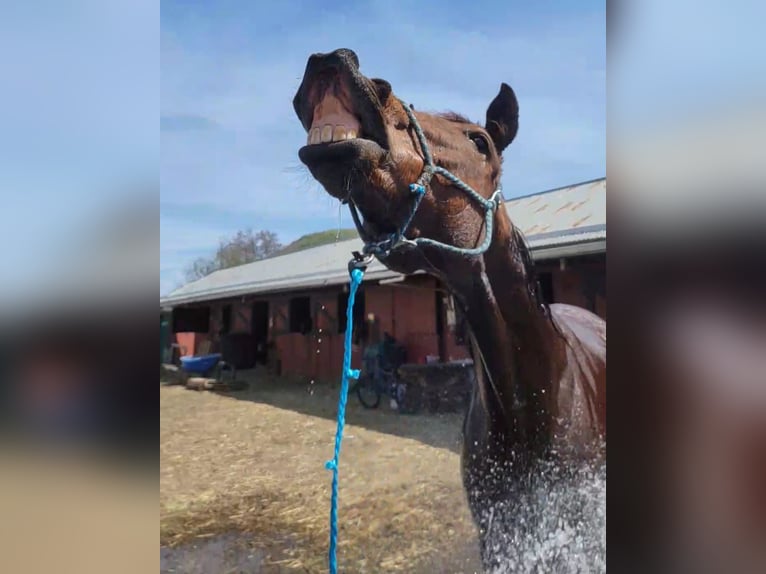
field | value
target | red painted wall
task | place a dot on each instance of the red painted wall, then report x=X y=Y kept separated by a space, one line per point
x=317 y=355
x=415 y=321
x=190 y=342
x=406 y=313
x=456 y=352
x=571 y=283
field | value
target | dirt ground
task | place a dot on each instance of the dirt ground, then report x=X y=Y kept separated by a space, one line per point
x=243 y=486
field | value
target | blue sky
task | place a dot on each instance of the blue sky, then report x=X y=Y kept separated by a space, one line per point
x=83 y=86
x=230 y=69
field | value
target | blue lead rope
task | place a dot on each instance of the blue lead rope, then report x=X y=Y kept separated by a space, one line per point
x=348 y=373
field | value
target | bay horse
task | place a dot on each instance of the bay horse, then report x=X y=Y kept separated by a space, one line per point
x=427 y=188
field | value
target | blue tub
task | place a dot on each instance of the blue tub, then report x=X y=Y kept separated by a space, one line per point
x=200 y=364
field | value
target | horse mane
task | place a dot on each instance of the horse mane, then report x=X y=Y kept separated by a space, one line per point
x=530 y=272
x=454 y=117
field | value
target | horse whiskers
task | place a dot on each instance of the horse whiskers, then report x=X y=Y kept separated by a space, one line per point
x=347 y=184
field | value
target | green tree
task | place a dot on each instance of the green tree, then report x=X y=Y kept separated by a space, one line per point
x=243 y=247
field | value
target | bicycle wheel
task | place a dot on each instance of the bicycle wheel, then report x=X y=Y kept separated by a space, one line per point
x=368 y=395
x=410 y=400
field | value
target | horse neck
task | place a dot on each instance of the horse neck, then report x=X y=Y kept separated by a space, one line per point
x=517 y=343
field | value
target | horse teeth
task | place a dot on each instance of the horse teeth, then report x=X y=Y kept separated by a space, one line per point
x=329 y=133
x=339 y=133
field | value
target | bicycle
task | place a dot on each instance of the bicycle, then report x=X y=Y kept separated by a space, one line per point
x=379 y=376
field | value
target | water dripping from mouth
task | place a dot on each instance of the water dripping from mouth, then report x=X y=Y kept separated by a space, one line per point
x=340 y=220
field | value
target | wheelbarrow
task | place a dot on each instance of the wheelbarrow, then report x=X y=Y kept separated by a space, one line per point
x=204 y=365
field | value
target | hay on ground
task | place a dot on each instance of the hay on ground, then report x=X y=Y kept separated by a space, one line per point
x=251 y=462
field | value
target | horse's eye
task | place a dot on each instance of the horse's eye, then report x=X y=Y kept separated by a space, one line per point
x=480 y=142
x=383 y=88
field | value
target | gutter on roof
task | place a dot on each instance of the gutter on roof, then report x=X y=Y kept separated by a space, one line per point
x=587 y=246
x=393 y=280
x=590 y=230
x=400 y=278
x=276 y=287
x=581 y=184
x=570 y=250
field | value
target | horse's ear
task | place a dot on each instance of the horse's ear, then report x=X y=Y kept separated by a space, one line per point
x=503 y=117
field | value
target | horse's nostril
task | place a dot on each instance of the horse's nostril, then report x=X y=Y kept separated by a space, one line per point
x=353 y=57
x=346 y=56
x=320 y=60
x=341 y=59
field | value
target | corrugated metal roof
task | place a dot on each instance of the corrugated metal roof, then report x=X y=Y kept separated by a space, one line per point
x=316 y=267
x=562 y=219
x=560 y=210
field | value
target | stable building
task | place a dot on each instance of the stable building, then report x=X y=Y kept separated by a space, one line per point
x=290 y=311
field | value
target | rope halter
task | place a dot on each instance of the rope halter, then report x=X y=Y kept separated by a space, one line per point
x=396 y=240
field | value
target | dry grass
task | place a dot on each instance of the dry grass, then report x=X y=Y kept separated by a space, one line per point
x=252 y=462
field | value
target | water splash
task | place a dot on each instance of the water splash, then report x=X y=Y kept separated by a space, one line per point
x=557 y=524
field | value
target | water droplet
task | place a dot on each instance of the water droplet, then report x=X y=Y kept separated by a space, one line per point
x=319 y=340
x=340 y=222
